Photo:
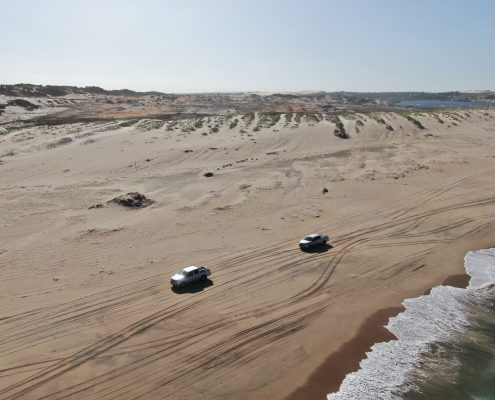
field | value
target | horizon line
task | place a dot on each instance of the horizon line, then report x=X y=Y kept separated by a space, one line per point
x=306 y=91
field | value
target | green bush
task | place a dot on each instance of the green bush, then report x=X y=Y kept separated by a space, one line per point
x=150 y=124
x=267 y=120
x=248 y=118
x=339 y=130
x=233 y=123
x=338 y=123
x=415 y=122
x=311 y=118
x=198 y=123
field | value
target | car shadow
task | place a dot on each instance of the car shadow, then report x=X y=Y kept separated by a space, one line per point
x=322 y=248
x=193 y=287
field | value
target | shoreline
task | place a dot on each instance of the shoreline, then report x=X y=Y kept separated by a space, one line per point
x=328 y=376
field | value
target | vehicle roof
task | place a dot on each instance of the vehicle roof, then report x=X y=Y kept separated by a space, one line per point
x=189 y=269
x=315 y=234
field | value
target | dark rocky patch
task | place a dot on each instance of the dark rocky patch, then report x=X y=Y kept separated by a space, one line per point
x=131 y=200
x=341 y=133
x=27 y=105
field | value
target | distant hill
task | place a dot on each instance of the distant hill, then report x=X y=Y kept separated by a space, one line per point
x=30 y=90
x=397 y=97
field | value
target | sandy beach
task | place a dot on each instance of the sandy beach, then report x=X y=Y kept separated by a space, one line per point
x=86 y=306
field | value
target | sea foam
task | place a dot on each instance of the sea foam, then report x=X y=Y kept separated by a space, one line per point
x=384 y=374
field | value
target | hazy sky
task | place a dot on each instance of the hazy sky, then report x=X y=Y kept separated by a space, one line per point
x=268 y=45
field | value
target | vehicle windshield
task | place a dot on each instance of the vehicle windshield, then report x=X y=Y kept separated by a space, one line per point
x=182 y=272
x=309 y=238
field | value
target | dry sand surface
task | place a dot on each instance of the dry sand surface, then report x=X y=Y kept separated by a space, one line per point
x=86 y=307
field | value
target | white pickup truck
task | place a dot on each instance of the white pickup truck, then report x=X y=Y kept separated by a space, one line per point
x=189 y=275
x=313 y=240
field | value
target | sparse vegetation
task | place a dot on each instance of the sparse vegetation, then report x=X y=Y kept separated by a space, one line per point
x=198 y=124
x=126 y=123
x=59 y=142
x=338 y=123
x=311 y=118
x=288 y=119
x=267 y=120
x=233 y=123
x=339 y=130
x=390 y=127
x=8 y=153
x=171 y=126
x=88 y=141
x=150 y=124
x=113 y=126
x=359 y=123
x=3 y=131
x=415 y=121
x=248 y=119
x=187 y=128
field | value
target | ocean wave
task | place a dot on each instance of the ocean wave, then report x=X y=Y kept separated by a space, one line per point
x=384 y=374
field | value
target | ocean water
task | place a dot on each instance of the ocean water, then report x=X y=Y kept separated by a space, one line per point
x=445 y=347
x=426 y=104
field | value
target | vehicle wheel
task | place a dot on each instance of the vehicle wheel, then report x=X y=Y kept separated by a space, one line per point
x=324 y=243
x=204 y=277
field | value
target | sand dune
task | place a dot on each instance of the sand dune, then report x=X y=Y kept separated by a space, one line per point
x=86 y=306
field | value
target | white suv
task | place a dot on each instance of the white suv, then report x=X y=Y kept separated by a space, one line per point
x=189 y=275
x=313 y=240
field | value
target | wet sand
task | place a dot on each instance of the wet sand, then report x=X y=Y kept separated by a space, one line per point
x=458 y=281
x=329 y=375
